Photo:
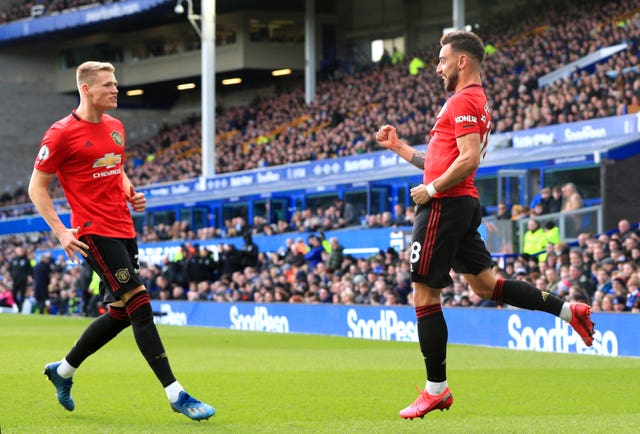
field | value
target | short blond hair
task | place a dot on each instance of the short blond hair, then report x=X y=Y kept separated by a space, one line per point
x=86 y=71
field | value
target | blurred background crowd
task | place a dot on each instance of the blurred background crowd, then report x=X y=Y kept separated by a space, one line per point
x=601 y=269
x=353 y=102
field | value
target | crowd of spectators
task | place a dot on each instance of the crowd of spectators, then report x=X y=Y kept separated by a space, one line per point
x=19 y=9
x=352 y=103
x=277 y=130
x=305 y=252
x=549 y=200
x=15 y=204
x=558 y=35
x=601 y=270
x=338 y=215
x=282 y=129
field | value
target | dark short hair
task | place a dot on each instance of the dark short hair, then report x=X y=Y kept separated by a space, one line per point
x=467 y=42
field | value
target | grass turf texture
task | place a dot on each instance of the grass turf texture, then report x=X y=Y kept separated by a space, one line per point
x=261 y=382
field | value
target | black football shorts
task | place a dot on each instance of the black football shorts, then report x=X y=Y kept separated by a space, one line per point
x=115 y=260
x=445 y=236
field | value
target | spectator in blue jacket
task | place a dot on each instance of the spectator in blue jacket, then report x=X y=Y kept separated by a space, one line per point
x=315 y=253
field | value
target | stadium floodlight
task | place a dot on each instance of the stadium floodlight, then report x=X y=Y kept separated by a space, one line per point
x=186 y=86
x=231 y=81
x=280 y=72
x=179 y=9
x=135 y=92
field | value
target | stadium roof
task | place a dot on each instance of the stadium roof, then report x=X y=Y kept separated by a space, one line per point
x=131 y=14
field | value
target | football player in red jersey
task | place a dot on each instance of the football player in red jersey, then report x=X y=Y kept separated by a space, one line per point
x=86 y=151
x=445 y=231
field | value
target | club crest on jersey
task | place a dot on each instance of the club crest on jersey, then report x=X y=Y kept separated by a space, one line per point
x=123 y=275
x=117 y=138
x=108 y=161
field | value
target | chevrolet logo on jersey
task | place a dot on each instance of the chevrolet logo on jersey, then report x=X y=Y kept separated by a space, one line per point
x=108 y=161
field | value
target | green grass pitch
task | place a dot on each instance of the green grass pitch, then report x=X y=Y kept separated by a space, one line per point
x=270 y=383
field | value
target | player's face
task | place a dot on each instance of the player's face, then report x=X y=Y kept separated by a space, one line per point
x=447 y=68
x=103 y=91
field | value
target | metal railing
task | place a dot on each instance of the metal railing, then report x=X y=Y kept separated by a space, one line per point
x=506 y=236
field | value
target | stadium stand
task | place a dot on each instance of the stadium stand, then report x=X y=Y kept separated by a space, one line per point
x=265 y=133
x=17 y=10
x=602 y=270
x=282 y=129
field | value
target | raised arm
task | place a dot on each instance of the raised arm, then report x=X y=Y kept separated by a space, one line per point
x=388 y=138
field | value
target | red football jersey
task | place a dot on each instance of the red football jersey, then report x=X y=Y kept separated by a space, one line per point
x=88 y=159
x=464 y=113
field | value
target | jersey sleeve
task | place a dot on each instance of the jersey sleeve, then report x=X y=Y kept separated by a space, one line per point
x=52 y=151
x=466 y=115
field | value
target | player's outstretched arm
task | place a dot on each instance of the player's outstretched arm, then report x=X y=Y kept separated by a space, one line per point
x=388 y=138
x=40 y=197
x=43 y=202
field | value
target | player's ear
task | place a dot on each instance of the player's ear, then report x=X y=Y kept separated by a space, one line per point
x=463 y=59
x=84 y=89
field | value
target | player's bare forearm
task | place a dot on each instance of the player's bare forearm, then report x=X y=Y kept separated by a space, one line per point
x=126 y=184
x=74 y=248
x=418 y=159
x=464 y=165
x=388 y=138
x=455 y=174
x=137 y=200
x=43 y=202
x=47 y=210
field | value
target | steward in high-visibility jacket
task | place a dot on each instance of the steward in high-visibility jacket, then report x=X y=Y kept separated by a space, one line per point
x=535 y=239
